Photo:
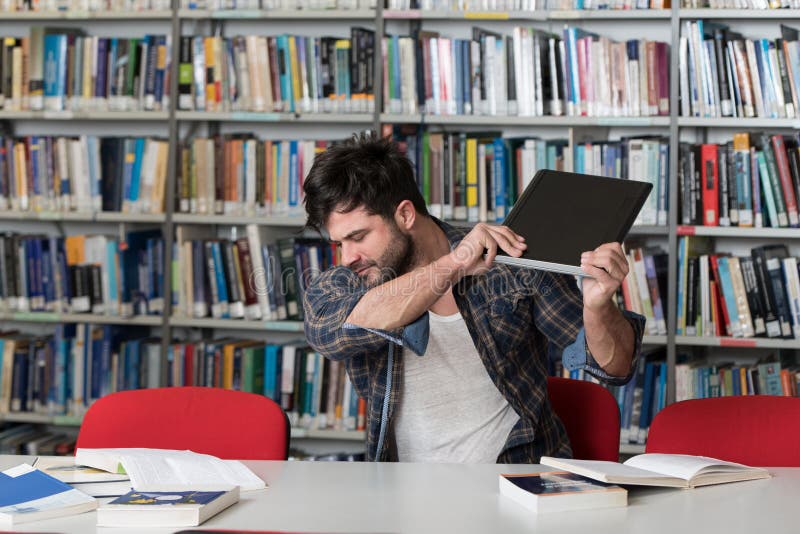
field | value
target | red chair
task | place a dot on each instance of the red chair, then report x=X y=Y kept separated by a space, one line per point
x=224 y=423
x=591 y=416
x=757 y=430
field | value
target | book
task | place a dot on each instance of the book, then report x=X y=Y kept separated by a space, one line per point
x=171 y=470
x=27 y=494
x=165 y=509
x=559 y=491
x=669 y=470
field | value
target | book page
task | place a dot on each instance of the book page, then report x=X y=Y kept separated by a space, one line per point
x=682 y=465
x=602 y=470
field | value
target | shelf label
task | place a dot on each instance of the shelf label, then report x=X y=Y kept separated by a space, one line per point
x=735 y=342
x=686 y=230
x=402 y=14
x=566 y=15
x=67 y=420
x=255 y=116
x=624 y=121
x=59 y=115
x=35 y=316
x=237 y=14
x=479 y=15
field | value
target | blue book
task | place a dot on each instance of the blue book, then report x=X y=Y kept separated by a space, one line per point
x=27 y=494
x=165 y=509
x=55 y=71
x=294 y=176
x=729 y=296
x=284 y=69
x=500 y=180
x=219 y=274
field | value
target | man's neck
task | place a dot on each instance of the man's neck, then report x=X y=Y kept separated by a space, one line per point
x=430 y=241
x=432 y=244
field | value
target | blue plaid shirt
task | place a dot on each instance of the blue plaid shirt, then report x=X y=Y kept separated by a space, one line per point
x=512 y=315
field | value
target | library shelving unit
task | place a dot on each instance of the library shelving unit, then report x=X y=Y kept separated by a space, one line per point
x=666 y=20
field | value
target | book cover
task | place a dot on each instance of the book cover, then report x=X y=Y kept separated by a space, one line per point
x=557 y=491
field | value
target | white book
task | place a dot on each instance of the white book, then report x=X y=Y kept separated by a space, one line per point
x=171 y=470
x=669 y=470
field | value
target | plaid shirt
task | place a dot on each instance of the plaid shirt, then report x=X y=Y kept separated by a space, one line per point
x=511 y=313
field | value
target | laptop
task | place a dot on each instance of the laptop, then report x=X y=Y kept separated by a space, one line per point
x=563 y=214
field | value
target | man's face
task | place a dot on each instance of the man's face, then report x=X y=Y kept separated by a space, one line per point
x=376 y=249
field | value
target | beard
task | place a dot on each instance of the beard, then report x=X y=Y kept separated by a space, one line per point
x=398 y=259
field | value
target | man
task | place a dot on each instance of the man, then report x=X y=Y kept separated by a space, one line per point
x=449 y=349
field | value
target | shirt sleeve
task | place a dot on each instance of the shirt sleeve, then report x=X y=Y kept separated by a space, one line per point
x=327 y=303
x=558 y=314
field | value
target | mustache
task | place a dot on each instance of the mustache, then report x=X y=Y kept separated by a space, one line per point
x=362 y=265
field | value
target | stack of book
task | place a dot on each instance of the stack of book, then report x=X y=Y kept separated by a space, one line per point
x=277 y=4
x=83 y=274
x=724 y=295
x=644 y=290
x=723 y=74
x=54 y=69
x=702 y=380
x=283 y=73
x=245 y=278
x=83 y=174
x=753 y=180
x=528 y=73
x=84 y=5
x=241 y=175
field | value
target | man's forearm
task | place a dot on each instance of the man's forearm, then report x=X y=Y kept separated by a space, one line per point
x=402 y=300
x=609 y=337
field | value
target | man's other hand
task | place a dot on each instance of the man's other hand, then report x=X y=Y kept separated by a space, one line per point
x=608 y=267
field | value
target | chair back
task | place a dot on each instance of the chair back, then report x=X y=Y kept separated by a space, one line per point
x=224 y=423
x=591 y=416
x=759 y=430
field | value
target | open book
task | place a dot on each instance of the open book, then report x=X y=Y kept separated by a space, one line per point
x=671 y=470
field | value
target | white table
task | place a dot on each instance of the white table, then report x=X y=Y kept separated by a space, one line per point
x=441 y=498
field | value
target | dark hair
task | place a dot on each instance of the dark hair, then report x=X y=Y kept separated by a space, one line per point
x=364 y=170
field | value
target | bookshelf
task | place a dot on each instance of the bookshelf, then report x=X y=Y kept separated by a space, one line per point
x=174 y=122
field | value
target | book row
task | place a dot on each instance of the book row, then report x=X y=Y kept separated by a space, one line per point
x=15 y=6
x=702 y=380
x=644 y=290
x=723 y=74
x=283 y=73
x=740 y=4
x=278 y=4
x=243 y=175
x=523 y=5
x=56 y=69
x=528 y=73
x=245 y=279
x=83 y=174
x=64 y=373
x=316 y=393
x=753 y=180
x=478 y=176
x=35 y=440
x=725 y=295
x=83 y=274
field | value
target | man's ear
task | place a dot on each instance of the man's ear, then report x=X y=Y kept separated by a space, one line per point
x=405 y=214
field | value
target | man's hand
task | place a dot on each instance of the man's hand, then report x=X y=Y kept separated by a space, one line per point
x=468 y=255
x=608 y=266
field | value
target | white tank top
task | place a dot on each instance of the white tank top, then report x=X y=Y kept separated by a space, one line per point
x=450 y=410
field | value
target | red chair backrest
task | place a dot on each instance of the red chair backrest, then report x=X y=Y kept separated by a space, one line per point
x=591 y=416
x=760 y=430
x=224 y=423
